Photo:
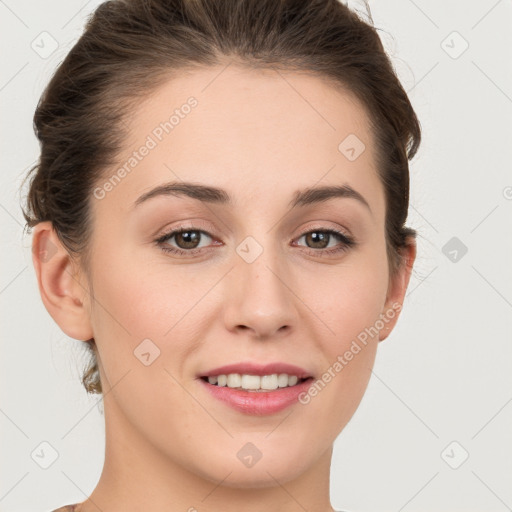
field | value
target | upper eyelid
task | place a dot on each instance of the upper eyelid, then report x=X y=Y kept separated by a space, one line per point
x=207 y=231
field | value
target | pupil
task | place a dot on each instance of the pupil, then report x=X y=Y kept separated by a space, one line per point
x=318 y=236
x=191 y=238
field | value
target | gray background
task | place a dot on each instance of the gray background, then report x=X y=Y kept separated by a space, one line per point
x=433 y=431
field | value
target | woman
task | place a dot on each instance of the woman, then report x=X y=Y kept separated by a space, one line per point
x=219 y=213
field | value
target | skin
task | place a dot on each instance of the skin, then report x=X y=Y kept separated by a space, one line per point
x=167 y=441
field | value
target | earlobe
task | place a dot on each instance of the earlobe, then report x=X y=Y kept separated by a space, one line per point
x=397 y=289
x=64 y=294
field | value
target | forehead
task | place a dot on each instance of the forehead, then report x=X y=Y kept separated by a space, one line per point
x=250 y=132
x=280 y=108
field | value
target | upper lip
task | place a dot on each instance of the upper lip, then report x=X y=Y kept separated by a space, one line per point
x=251 y=368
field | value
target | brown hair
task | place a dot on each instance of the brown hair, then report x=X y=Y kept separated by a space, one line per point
x=130 y=47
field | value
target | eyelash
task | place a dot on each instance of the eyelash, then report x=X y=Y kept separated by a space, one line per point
x=347 y=242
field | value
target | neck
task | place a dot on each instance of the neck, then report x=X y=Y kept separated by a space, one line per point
x=136 y=474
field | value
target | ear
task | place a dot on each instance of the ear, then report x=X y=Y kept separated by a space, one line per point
x=62 y=286
x=397 y=288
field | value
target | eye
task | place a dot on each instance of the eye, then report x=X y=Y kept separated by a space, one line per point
x=321 y=238
x=188 y=240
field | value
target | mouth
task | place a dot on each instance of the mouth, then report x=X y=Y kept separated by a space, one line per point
x=250 y=376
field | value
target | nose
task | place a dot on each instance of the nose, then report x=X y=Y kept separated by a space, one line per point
x=261 y=298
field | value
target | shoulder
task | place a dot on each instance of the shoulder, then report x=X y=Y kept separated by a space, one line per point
x=66 y=508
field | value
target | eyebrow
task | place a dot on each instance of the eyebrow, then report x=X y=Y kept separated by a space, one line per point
x=215 y=195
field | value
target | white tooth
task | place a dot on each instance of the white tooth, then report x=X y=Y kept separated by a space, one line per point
x=251 y=381
x=292 y=380
x=254 y=382
x=269 y=381
x=282 y=380
x=234 y=380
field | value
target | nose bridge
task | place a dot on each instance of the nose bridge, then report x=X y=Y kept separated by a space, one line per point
x=260 y=298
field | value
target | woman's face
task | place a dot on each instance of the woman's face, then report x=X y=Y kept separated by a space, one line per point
x=257 y=279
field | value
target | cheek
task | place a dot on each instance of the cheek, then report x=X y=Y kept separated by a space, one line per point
x=147 y=307
x=140 y=298
x=144 y=332
x=350 y=305
x=352 y=295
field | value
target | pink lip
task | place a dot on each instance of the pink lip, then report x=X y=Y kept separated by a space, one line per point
x=258 y=403
x=250 y=368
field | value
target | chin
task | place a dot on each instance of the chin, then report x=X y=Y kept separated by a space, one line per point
x=266 y=472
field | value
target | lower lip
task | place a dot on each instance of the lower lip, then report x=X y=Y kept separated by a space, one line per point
x=258 y=403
